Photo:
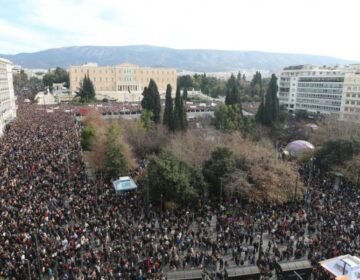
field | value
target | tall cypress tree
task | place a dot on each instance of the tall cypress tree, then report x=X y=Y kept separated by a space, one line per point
x=151 y=100
x=168 y=119
x=232 y=92
x=185 y=94
x=269 y=110
x=86 y=91
x=180 y=118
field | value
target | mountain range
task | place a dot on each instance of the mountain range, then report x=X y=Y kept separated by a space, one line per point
x=197 y=60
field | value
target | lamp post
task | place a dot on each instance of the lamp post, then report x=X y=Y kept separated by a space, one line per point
x=296 y=185
x=221 y=190
x=261 y=239
x=28 y=268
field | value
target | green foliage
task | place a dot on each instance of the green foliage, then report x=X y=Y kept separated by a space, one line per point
x=86 y=92
x=228 y=118
x=174 y=179
x=27 y=87
x=58 y=76
x=232 y=92
x=221 y=164
x=115 y=161
x=301 y=114
x=269 y=110
x=256 y=85
x=87 y=136
x=335 y=152
x=146 y=119
x=185 y=81
x=168 y=119
x=185 y=94
x=151 y=101
x=180 y=116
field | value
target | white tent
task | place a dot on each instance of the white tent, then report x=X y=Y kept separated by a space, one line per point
x=124 y=184
x=344 y=267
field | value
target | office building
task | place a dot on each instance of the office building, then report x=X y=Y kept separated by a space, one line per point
x=7 y=97
x=321 y=90
x=124 y=82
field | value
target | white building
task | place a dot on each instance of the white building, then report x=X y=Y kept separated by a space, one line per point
x=321 y=90
x=311 y=88
x=7 y=97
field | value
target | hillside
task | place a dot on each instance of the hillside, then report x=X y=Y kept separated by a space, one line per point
x=192 y=60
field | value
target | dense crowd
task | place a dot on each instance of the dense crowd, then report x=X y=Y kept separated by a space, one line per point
x=55 y=223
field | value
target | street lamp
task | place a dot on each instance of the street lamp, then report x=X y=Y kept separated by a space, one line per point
x=261 y=239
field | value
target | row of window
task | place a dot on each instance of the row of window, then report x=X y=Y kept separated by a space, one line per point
x=353 y=95
x=319 y=96
x=323 y=79
x=352 y=109
x=317 y=101
x=125 y=71
x=128 y=87
x=318 y=107
x=352 y=102
x=315 y=90
x=320 y=85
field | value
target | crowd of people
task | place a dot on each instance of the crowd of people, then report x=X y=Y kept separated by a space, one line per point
x=57 y=224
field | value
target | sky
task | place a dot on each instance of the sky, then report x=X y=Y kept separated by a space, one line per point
x=322 y=27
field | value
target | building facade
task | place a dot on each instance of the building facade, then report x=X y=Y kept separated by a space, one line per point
x=321 y=90
x=7 y=97
x=124 y=82
x=350 y=103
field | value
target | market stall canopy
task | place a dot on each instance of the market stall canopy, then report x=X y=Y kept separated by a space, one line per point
x=343 y=267
x=124 y=184
x=300 y=149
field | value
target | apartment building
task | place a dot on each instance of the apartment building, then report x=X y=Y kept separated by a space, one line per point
x=320 y=90
x=350 y=103
x=123 y=82
x=7 y=97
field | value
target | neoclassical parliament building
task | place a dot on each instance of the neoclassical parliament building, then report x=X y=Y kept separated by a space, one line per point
x=123 y=82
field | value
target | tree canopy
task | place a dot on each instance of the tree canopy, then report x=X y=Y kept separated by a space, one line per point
x=334 y=153
x=151 y=101
x=86 y=92
x=59 y=75
x=221 y=164
x=168 y=119
x=180 y=116
x=172 y=178
x=269 y=110
x=232 y=92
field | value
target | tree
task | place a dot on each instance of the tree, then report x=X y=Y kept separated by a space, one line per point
x=185 y=81
x=115 y=161
x=86 y=92
x=180 y=117
x=335 y=153
x=151 y=101
x=232 y=92
x=87 y=136
x=269 y=111
x=228 y=118
x=168 y=119
x=146 y=119
x=221 y=164
x=59 y=75
x=185 y=94
x=256 y=85
x=173 y=179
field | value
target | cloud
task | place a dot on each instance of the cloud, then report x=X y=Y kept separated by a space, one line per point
x=305 y=26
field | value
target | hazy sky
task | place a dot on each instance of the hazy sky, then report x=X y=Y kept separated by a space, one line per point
x=327 y=27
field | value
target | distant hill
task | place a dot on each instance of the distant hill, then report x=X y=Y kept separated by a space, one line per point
x=191 y=60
